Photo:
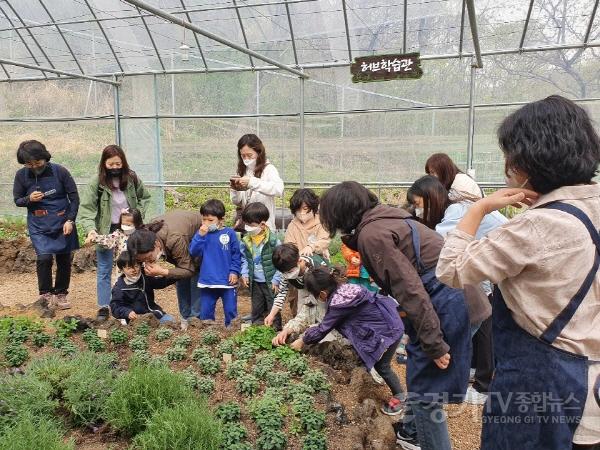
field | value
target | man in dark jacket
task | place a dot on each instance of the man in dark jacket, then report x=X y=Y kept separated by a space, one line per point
x=133 y=293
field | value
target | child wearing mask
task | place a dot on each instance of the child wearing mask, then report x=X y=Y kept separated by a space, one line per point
x=305 y=232
x=219 y=249
x=129 y=221
x=133 y=294
x=258 y=271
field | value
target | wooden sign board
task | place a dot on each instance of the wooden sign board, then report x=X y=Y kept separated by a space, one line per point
x=366 y=69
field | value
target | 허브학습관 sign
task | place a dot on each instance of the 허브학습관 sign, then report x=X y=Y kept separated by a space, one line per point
x=386 y=67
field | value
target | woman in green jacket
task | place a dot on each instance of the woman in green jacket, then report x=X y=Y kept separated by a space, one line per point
x=116 y=188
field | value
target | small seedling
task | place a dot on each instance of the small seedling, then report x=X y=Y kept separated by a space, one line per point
x=209 y=365
x=15 y=354
x=229 y=412
x=143 y=329
x=271 y=440
x=278 y=379
x=236 y=369
x=200 y=352
x=313 y=420
x=206 y=385
x=263 y=366
x=245 y=352
x=65 y=328
x=317 y=380
x=40 y=339
x=247 y=385
x=176 y=353
x=118 y=337
x=315 y=440
x=227 y=346
x=138 y=343
x=183 y=341
x=210 y=337
x=233 y=434
x=296 y=366
x=162 y=334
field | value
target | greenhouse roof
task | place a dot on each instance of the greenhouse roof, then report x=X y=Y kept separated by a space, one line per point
x=46 y=39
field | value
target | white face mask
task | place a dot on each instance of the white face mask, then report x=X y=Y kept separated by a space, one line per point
x=252 y=231
x=132 y=280
x=292 y=274
x=249 y=163
x=419 y=212
x=159 y=255
x=127 y=229
x=213 y=227
x=303 y=217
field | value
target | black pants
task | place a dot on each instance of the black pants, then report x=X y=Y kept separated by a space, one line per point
x=262 y=302
x=63 y=273
x=384 y=369
x=483 y=357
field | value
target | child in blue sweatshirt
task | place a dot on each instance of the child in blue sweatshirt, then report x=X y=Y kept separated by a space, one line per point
x=219 y=249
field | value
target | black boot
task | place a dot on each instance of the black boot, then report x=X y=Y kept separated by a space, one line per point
x=103 y=314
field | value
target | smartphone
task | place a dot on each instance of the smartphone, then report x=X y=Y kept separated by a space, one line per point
x=50 y=192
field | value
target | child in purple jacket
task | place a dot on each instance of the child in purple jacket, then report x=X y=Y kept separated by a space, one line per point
x=368 y=320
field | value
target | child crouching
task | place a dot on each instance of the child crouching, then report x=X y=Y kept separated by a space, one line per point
x=133 y=293
x=368 y=320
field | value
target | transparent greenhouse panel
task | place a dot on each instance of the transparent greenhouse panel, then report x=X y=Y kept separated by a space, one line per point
x=142 y=147
x=385 y=147
x=56 y=98
x=443 y=83
x=206 y=149
x=532 y=76
x=75 y=145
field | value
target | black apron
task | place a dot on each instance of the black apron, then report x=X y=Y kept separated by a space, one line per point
x=424 y=379
x=45 y=219
x=538 y=391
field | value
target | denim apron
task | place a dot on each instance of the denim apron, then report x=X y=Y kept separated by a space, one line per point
x=538 y=391
x=424 y=379
x=45 y=219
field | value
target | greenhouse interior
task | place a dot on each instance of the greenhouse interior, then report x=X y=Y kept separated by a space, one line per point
x=175 y=84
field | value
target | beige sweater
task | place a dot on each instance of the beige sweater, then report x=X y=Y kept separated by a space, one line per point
x=540 y=259
x=310 y=233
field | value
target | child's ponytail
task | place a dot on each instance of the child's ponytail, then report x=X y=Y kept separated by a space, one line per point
x=322 y=279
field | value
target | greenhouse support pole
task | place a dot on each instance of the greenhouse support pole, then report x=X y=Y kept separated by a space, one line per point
x=117 y=110
x=471 y=135
x=158 y=155
x=301 y=132
x=258 y=103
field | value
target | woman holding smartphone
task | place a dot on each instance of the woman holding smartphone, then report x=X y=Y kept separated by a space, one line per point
x=257 y=180
x=49 y=193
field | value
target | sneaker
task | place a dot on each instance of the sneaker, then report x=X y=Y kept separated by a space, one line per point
x=393 y=407
x=61 y=302
x=103 y=314
x=475 y=398
x=247 y=318
x=376 y=377
x=401 y=349
x=184 y=324
x=403 y=439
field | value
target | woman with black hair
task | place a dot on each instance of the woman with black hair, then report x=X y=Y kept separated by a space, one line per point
x=115 y=189
x=168 y=237
x=400 y=254
x=457 y=183
x=546 y=310
x=257 y=180
x=434 y=208
x=49 y=193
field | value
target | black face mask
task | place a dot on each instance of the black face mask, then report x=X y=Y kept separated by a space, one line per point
x=115 y=173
